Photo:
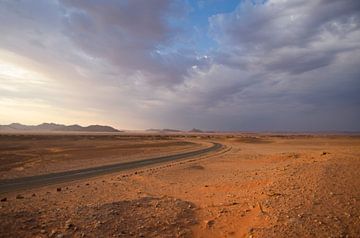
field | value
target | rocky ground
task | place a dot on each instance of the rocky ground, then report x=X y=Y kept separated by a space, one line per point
x=257 y=186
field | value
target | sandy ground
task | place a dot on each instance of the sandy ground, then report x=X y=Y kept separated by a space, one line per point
x=33 y=154
x=257 y=186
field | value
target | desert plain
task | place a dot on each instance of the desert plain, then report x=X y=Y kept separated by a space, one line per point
x=254 y=185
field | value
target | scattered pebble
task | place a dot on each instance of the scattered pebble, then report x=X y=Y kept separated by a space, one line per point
x=209 y=223
x=19 y=196
x=68 y=224
x=52 y=233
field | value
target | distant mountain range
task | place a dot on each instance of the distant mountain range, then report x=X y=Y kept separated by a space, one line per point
x=194 y=130
x=57 y=127
x=162 y=130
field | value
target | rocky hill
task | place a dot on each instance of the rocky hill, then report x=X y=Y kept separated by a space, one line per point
x=57 y=127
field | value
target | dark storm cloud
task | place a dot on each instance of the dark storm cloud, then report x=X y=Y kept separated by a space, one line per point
x=285 y=23
x=293 y=60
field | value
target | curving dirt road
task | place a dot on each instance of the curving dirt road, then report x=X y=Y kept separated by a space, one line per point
x=53 y=178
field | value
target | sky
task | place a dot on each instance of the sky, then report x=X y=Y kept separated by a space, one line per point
x=245 y=65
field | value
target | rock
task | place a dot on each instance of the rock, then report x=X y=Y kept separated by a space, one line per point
x=260 y=208
x=209 y=223
x=58 y=189
x=59 y=235
x=42 y=231
x=33 y=195
x=68 y=224
x=52 y=233
x=19 y=196
x=3 y=200
x=98 y=224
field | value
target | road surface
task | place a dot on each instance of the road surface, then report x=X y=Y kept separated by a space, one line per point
x=67 y=176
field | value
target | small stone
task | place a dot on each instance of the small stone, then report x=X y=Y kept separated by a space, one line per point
x=223 y=210
x=206 y=186
x=19 y=196
x=59 y=235
x=42 y=231
x=52 y=233
x=3 y=200
x=58 y=189
x=98 y=223
x=33 y=195
x=209 y=223
x=68 y=224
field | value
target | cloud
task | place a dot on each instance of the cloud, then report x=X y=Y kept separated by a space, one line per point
x=276 y=65
x=289 y=62
x=130 y=35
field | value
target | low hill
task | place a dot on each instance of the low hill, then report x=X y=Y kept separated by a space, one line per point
x=163 y=130
x=194 y=130
x=57 y=127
